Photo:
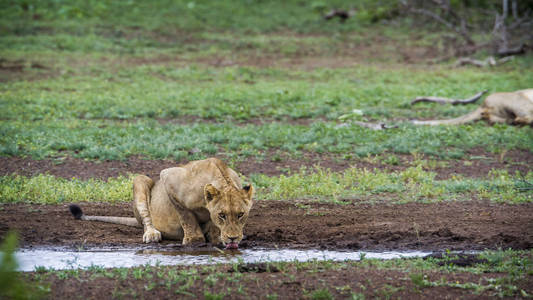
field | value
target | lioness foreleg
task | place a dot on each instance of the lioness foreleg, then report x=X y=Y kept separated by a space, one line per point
x=141 y=197
x=212 y=233
x=192 y=233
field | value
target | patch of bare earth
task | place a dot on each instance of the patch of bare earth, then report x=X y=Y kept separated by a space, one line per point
x=475 y=164
x=12 y=70
x=453 y=225
x=338 y=54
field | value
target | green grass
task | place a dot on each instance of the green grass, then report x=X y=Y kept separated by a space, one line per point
x=156 y=91
x=114 y=140
x=47 y=189
x=410 y=185
x=75 y=111
x=244 y=16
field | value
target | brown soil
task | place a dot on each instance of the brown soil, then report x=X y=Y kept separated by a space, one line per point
x=374 y=48
x=309 y=282
x=297 y=224
x=477 y=163
x=11 y=70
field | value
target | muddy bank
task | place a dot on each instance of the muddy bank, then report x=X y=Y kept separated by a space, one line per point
x=413 y=226
x=476 y=163
x=353 y=281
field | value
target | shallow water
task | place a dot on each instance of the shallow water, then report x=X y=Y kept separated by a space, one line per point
x=59 y=259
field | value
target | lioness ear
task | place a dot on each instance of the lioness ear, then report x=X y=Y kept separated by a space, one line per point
x=249 y=190
x=210 y=192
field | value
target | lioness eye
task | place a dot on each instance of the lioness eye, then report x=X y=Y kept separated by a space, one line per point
x=240 y=215
x=222 y=216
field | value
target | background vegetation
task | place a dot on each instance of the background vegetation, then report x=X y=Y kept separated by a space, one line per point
x=184 y=80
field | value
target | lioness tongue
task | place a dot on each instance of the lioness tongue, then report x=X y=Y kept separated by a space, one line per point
x=232 y=246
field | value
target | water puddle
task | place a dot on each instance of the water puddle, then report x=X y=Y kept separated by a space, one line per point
x=59 y=259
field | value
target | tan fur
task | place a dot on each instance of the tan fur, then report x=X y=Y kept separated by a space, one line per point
x=187 y=202
x=513 y=108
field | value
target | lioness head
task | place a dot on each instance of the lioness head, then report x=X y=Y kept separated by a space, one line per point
x=229 y=211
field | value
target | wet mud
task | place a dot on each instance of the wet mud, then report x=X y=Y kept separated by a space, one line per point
x=471 y=225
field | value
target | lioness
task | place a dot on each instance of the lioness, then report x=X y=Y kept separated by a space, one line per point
x=202 y=200
x=514 y=108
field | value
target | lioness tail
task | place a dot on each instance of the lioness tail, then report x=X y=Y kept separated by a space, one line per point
x=78 y=215
x=470 y=117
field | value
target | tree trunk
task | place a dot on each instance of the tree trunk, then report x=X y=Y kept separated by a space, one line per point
x=514 y=7
x=505 y=8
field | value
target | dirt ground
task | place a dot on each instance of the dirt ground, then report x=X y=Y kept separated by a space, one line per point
x=292 y=283
x=453 y=225
x=68 y=167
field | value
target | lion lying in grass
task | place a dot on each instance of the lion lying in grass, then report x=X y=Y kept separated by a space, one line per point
x=514 y=108
x=202 y=200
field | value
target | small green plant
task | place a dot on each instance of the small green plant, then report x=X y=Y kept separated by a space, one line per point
x=392 y=160
x=419 y=280
x=362 y=256
x=211 y=279
x=122 y=273
x=41 y=269
x=272 y=296
x=321 y=294
x=388 y=290
x=357 y=296
x=213 y=296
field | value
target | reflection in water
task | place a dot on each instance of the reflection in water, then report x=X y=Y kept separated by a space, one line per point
x=61 y=259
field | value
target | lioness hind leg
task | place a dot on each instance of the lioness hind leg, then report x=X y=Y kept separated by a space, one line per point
x=523 y=121
x=496 y=119
x=141 y=198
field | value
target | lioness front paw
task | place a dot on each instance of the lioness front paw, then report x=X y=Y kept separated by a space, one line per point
x=187 y=240
x=151 y=235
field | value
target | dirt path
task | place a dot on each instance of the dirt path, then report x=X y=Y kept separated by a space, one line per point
x=455 y=225
x=477 y=163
